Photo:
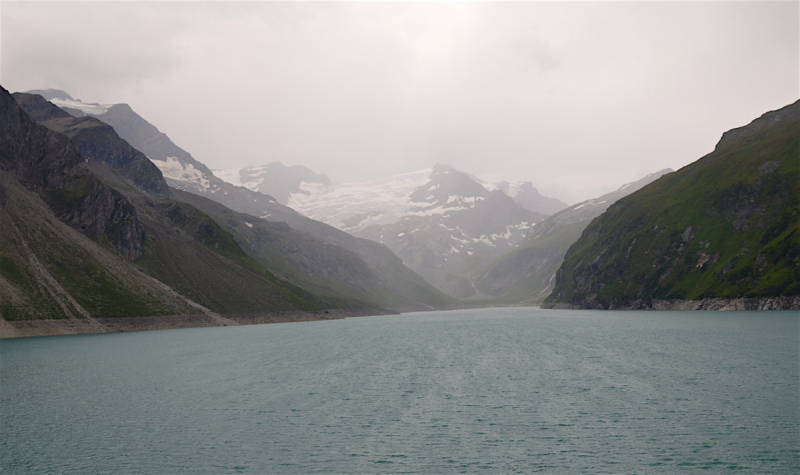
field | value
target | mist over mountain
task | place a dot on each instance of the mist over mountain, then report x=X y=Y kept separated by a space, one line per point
x=274 y=179
x=529 y=197
x=527 y=274
x=723 y=231
x=453 y=226
x=387 y=283
x=282 y=182
x=70 y=240
x=441 y=222
x=50 y=94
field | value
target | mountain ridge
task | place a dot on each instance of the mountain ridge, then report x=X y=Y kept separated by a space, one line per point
x=726 y=226
x=75 y=250
x=401 y=287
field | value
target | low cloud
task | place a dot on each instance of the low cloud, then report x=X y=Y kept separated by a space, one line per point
x=577 y=98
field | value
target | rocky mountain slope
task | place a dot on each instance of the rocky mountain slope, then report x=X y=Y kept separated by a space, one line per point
x=527 y=274
x=98 y=142
x=387 y=283
x=74 y=247
x=725 y=227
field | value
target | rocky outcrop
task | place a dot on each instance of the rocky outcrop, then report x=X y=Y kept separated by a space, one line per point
x=97 y=141
x=51 y=166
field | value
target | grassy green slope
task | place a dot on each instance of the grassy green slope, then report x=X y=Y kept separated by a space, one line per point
x=42 y=260
x=724 y=226
x=191 y=252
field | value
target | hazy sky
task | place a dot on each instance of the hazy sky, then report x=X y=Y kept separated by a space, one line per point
x=577 y=98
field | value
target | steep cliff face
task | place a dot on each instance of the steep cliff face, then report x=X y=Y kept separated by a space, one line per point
x=97 y=141
x=726 y=226
x=51 y=166
x=62 y=230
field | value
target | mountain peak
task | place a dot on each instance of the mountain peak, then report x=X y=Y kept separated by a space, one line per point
x=51 y=94
x=441 y=168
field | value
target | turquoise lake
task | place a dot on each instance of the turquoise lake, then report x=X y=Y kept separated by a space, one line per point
x=513 y=390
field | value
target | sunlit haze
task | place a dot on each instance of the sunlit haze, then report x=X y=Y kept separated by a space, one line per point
x=578 y=98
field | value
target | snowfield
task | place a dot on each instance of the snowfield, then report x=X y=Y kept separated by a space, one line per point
x=91 y=109
x=354 y=206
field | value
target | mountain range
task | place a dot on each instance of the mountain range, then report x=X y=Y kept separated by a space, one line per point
x=106 y=224
x=441 y=222
x=92 y=233
x=386 y=283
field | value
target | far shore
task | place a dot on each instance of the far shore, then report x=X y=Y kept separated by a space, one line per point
x=27 y=328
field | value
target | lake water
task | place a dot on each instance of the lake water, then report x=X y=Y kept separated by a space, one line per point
x=477 y=391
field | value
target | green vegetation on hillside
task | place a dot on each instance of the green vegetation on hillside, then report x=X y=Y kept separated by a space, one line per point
x=725 y=226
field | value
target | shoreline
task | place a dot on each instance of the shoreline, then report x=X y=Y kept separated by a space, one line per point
x=719 y=304
x=30 y=328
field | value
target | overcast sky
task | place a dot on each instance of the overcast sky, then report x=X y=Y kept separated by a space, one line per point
x=577 y=98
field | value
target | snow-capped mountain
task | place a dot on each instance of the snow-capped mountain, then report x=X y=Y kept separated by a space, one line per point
x=451 y=226
x=441 y=222
x=352 y=207
x=333 y=260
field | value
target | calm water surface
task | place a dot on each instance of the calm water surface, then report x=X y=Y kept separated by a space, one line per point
x=478 y=391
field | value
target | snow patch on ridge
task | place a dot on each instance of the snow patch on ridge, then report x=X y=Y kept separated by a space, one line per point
x=91 y=109
x=173 y=169
x=231 y=175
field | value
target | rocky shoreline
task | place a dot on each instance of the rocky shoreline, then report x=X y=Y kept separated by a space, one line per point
x=767 y=303
x=26 y=328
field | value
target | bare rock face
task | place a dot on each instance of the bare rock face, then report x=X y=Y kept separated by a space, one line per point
x=97 y=142
x=52 y=167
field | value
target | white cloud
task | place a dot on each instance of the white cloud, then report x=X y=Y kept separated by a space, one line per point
x=576 y=97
